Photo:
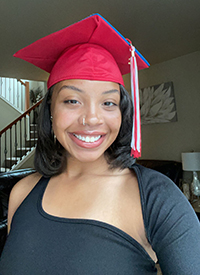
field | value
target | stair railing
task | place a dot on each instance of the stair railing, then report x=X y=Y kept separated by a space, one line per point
x=18 y=138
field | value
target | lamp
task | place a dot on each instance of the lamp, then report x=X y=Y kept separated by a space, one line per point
x=191 y=162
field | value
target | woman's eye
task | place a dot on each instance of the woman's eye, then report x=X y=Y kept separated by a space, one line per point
x=71 y=101
x=109 y=104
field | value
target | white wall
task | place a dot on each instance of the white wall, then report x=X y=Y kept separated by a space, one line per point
x=13 y=91
x=166 y=141
x=7 y=114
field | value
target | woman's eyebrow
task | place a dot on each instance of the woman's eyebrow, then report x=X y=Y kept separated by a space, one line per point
x=71 y=88
x=111 y=91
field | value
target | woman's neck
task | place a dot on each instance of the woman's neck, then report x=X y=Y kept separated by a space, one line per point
x=75 y=168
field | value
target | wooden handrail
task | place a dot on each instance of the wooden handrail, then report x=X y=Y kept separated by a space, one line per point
x=20 y=117
x=19 y=80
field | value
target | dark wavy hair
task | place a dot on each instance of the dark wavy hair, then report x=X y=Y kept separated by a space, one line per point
x=51 y=157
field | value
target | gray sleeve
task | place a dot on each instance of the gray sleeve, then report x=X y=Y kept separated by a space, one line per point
x=172 y=226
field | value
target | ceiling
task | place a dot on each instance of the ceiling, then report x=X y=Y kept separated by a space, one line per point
x=160 y=29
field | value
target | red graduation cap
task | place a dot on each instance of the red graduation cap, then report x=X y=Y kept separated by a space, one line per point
x=90 y=49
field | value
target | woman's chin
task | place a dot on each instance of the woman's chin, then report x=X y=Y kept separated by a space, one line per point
x=88 y=158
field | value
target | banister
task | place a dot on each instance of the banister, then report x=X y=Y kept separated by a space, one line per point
x=20 y=117
x=19 y=80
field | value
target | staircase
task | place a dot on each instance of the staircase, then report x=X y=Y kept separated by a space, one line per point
x=30 y=143
x=19 y=138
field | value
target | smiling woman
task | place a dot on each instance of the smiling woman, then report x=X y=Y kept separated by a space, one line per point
x=50 y=156
x=90 y=209
x=95 y=102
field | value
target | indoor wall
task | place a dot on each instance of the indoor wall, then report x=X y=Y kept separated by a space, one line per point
x=166 y=141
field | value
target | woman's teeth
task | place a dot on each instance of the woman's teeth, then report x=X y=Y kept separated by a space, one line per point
x=87 y=138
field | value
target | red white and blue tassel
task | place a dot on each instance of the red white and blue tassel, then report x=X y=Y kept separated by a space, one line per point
x=136 y=131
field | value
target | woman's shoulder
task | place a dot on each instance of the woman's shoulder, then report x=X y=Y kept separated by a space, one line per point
x=157 y=189
x=25 y=185
x=19 y=192
x=149 y=177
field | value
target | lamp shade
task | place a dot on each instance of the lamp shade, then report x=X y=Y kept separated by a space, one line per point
x=191 y=161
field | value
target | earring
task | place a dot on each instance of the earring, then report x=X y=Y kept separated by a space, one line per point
x=83 y=121
x=54 y=138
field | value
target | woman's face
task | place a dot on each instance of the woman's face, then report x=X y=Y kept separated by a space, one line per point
x=93 y=103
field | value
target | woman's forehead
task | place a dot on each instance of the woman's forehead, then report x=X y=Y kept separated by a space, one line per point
x=87 y=86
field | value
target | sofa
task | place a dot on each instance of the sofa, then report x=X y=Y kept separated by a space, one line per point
x=171 y=169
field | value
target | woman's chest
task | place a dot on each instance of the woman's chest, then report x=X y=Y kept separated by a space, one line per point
x=111 y=200
x=115 y=201
x=72 y=246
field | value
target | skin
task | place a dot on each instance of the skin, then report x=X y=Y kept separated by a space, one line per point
x=74 y=100
x=88 y=189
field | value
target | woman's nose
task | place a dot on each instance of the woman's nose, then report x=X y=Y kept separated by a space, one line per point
x=91 y=117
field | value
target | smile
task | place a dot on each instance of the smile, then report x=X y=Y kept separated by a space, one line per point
x=87 y=138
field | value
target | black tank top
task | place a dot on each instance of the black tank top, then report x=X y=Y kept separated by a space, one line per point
x=39 y=243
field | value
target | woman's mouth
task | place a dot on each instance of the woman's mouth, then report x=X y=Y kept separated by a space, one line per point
x=88 y=138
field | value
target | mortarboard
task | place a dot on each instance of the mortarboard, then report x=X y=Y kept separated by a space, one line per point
x=90 y=49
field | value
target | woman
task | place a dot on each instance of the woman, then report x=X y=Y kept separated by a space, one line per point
x=90 y=209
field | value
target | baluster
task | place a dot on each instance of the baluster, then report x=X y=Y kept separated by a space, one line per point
x=0 y=153
x=1 y=85
x=36 y=127
x=10 y=147
x=9 y=91
x=24 y=152
x=5 y=150
x=3 y=92
x=22 y=94
x=16 y=141
x=14 y=93
x=17 y=94
x=30 y=122
x=20 y=135
x=5 y=88
x=35 y=119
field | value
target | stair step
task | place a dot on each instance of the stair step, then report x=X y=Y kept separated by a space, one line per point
x=4 y=169
x=22 y=151
x=24 y=148
x=33 y=127
x=9 y=162
x=31 y=142
x=33 y=134
x=13 y=158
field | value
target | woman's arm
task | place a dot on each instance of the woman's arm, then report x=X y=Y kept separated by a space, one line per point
x=173 y=227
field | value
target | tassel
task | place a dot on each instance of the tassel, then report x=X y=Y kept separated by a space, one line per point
x=136 y=131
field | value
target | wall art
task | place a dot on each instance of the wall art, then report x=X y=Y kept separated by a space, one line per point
x=158 y=104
